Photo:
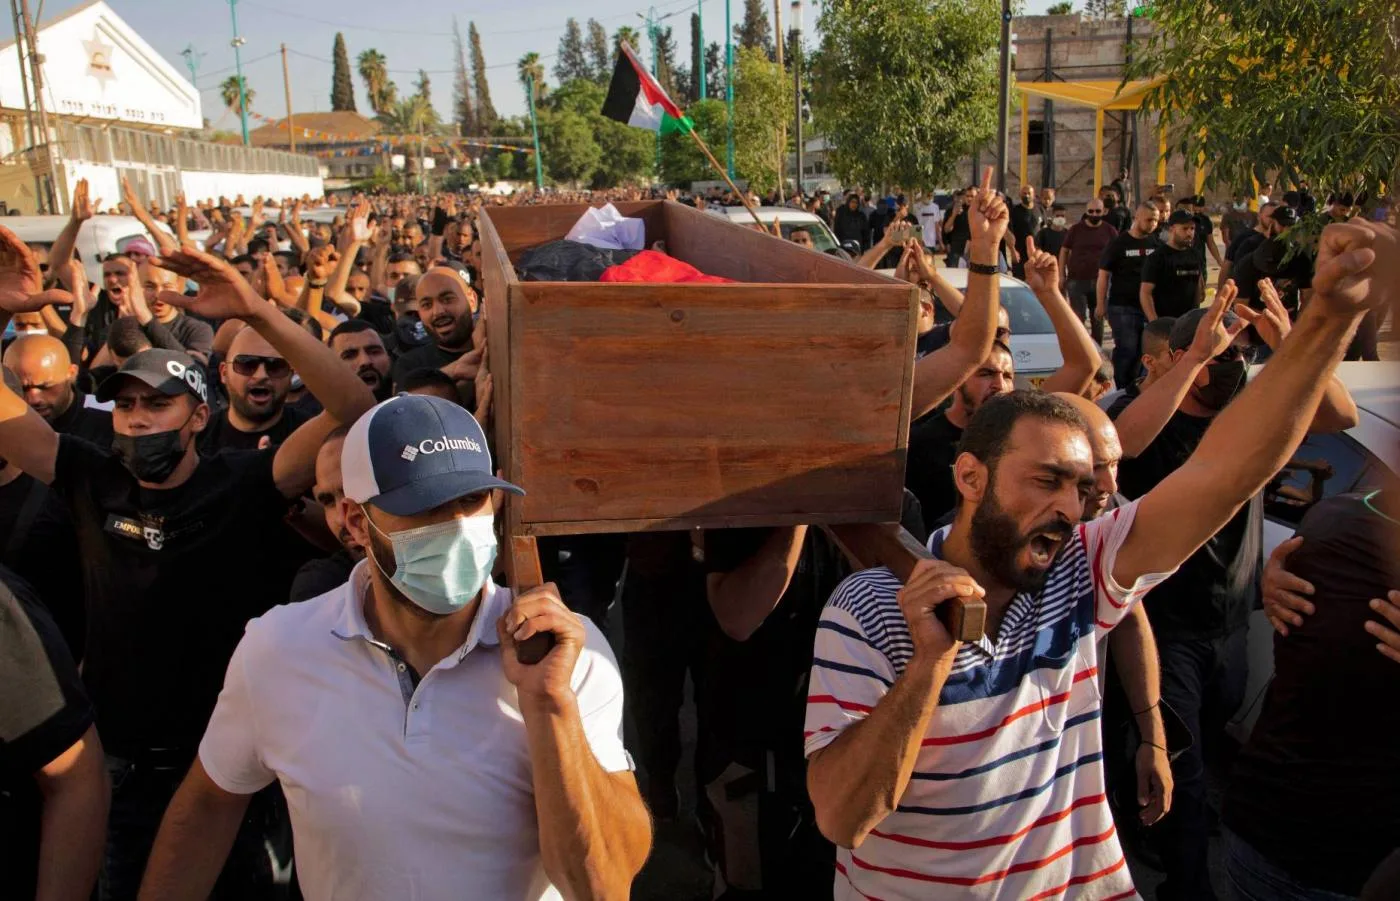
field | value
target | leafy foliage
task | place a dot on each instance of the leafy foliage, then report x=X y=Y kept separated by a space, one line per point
x=374 y=69
x=754 y=31
x=572 y=61
x=761 y=105
x=697 y=60
x=681 y=161
x=904 y=89
x=1106 y=9
x=342 y=88
x=666 y=61
x=1285 y=90
x=1060 y=9
x=626 y=34
x=714 y=70
x=485 y=112
x=228 y=92
x=600 y=52
x=463 y=110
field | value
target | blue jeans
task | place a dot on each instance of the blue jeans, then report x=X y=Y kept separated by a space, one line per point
x=1127 y=324
x=1256 y=878
x=1203 y=681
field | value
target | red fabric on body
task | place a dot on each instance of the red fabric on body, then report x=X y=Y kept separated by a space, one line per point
x=654 y=266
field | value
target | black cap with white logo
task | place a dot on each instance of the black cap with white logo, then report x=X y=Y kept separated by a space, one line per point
x=168 y=371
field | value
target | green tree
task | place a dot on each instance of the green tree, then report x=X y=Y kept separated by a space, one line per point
x=228 y=93
x=374 y=69
x=485 y=113
x=531 y=73
x=681 y=160
x=573 y=60
x=410 y=116
x=904 y=89
x=697 y=60
x=629 y=35
x=423 y=88
x=571 y=152
x=754 y=31
x=342 y=88
x=666 y=62
x=1060 y=9
x=600 y=52
x=762 y=103
x=463 y=110
x=625 y=153
x=1279 y=90
x=1106 y=9
x=714 y=70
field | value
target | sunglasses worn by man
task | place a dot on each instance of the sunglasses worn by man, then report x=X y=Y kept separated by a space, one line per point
x=247 y=364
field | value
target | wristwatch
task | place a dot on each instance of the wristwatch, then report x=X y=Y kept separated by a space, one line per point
x=982 y=268
x=316 y=284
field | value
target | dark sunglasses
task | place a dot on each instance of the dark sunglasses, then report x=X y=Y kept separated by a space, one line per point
x=1236 y=353
x=247 y=364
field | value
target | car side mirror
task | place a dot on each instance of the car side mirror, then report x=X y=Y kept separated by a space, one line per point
x=851 y=247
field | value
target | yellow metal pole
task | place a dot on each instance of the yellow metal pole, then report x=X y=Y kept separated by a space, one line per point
x=1025 y=134
x=1161 y=153
x=1098 y=151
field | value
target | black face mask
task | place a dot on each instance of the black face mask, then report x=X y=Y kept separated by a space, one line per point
x=151 y=457
x=1226 y=381
x=1093 y=217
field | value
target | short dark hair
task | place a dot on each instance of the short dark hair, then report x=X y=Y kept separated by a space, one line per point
x=402 y=258
x=242 y=258
x=990 y=428
x=291 y=256
x=422 y=378
x=351 y=327
x=301 y=318
x=256 y=245
x=1159 y=329
x=125 y=337
x=1057 y=206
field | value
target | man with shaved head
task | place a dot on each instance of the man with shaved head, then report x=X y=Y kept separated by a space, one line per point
x=447 y=307
x=47 y=381
x=257 y=379
x=168 y=326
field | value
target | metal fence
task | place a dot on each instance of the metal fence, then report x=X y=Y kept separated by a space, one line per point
x=117 y=146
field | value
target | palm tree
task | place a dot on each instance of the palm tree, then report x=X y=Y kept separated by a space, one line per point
x=374 y=69
x=410 y=116
x=531 y=72
x=628 y=34
x=228 y=93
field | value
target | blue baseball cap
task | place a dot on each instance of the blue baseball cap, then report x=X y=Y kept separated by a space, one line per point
x=413 y=452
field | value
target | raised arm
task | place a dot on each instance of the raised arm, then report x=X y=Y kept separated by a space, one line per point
x=62 y=250
x=1253 y=437
x=951 y=297
x=164 y=242
x=295 y=235
x=939 y=374
x=223 y=294
x=1080 y=353
x=857 y=780
x=26 y=440
x=1143 y=420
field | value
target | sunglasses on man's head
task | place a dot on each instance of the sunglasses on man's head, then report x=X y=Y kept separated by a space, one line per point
x=247 y=364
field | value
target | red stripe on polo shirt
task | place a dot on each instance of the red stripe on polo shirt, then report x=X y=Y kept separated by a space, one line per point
x=1024 y=867
x=842 y=870
x=844 y=705
x=1081 y=880
x=1051 y=701
x=995 y=840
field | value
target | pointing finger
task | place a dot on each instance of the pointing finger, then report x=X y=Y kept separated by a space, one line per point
x=986 y=180
x=1030 y=246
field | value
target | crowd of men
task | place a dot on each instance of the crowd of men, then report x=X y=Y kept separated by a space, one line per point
x=253 y=645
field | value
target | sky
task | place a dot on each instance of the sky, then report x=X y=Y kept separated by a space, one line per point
x=412 y=34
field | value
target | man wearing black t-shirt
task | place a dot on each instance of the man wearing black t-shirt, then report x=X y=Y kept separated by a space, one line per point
x=1199 y=614
x=447 y=307
x=316 y=577
x=1025 y=222
x=1118 y=291
x=1243 y=243
x=53 y=786
x=258 y=380
x=1172 y=278
x=1314 y=797
x=48 y=383
x=956 y=233
x=178 y=551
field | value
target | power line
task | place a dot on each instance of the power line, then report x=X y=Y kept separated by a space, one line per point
x=256 y=59
x=324 y=61
x=433 y=34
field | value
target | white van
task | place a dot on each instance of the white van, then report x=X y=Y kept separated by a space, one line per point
x=98 y=238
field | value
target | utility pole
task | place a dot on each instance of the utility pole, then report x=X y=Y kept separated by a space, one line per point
x=46 y=199
x=1003 y=97
x=237 y=43
x=287 y=89
x=28 y=108
x=782 y=129
x=729 y=83
x=653 y=34
x=797 y=85
x=703 y=77
x=192 y=58
x=535 y=126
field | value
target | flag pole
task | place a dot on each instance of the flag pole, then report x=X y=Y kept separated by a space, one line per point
x=727 y=180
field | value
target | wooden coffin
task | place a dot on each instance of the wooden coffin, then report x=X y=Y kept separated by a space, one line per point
x=633 y=407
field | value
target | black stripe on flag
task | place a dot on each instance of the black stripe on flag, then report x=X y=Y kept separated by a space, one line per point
x=623 y=91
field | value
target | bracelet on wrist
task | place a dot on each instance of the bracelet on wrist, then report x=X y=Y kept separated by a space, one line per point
x=1153 y=744
x=982 y=268
x=320 y=284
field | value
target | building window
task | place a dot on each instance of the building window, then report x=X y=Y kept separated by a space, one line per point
x=1035 y=138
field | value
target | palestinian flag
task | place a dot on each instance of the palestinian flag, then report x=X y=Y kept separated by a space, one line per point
x=635 y=98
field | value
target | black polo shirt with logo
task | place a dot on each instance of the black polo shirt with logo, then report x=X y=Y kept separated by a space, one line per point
x=1175 y=276
x=171 y=578
x=1123 y=260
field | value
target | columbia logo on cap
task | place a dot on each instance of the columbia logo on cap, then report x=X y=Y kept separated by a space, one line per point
x=409 y=452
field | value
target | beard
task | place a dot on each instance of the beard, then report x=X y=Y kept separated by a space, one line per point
x=997 y=543
x=257 y=413
x=382 y=553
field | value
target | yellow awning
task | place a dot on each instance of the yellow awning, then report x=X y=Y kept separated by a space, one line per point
x=1104 y=94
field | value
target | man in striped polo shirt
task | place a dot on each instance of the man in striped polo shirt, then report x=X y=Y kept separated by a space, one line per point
x=942 y=769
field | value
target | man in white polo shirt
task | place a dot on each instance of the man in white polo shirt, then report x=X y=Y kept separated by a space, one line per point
x=975 y=770
x=419 y=759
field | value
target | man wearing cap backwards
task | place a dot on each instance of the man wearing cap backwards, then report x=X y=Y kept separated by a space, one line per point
x=1173 y=277
x=177 y=551
x=447 y=306
x=1200 y=614
x=420 y=757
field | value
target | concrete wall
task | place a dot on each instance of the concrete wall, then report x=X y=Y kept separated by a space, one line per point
x=1080 y=48
x=211 y=185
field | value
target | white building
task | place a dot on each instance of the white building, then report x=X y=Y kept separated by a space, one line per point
x=117 y=108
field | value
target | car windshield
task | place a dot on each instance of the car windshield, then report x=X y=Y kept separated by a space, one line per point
x=1027 y=316
x=821 y=238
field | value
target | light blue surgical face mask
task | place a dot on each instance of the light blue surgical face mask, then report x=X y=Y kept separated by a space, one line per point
x=442 y=567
